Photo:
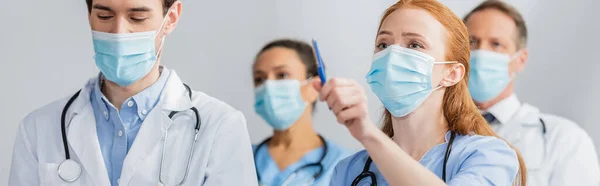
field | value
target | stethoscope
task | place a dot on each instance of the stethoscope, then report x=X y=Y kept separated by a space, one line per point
x=69 y=170
x=543 y=126
x=367 y=173
x=318 y=164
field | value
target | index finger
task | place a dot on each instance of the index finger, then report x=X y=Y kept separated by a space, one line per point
x=331 y=84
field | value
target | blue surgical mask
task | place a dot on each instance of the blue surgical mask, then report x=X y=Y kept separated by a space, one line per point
x=125 y=58
x=279 y=102
x=489 y=74
x=401 y=78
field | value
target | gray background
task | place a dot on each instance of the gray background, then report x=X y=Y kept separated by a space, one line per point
x=46 y=54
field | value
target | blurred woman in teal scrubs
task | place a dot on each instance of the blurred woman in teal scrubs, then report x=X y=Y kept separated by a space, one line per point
x=295 y=154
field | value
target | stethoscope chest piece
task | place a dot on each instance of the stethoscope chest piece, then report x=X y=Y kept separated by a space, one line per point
x=69 y=170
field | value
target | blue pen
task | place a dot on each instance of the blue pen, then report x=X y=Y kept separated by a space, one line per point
x=320 y=66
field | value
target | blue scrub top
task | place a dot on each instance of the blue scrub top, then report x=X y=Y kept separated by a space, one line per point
x=474 y=160
x=292 y=175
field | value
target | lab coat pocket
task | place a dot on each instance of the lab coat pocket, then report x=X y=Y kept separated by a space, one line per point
x=48 y=173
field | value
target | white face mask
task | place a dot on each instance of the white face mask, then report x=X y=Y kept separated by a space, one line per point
x=279 y=102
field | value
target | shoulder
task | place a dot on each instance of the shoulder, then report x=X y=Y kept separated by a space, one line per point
x=491 y=146
x=566 y=133
x=476 y=151
x=558 y=125
x=481 y=160
x=349 y=167
x=214 y=111
x=357 y=159
x=335 y=153
x=211 y=105
x=49 y=114
x=43 y=124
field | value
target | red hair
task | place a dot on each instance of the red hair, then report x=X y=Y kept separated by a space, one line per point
x=460 y=111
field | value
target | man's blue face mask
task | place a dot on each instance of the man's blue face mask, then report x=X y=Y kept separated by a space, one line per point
x=125 y=58
x=489 y=74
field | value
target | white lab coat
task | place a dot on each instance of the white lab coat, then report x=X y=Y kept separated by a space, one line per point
x=223 y=154
x=565 y=155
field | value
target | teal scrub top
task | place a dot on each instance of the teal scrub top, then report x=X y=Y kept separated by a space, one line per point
x=297 y=174
x=474 y=160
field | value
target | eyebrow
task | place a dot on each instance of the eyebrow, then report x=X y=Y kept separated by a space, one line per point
x=412 y=34
x=274 y=68
x=404 y=34
x=135 y=9
x=384 y=32
x=279 y=67
x=140 y=9
x=102 y=7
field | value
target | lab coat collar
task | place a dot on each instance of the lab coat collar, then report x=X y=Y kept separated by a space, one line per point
x=506 y=109
x=527 y=115
x=81 y=103
x=175 y=96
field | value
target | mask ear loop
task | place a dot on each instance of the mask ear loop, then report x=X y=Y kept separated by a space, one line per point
x=443 y=63
x=160 y=29
x=302 y=84
x=307 y=81
x=519 y=53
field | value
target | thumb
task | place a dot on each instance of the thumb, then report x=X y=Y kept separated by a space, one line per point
x=317 y=85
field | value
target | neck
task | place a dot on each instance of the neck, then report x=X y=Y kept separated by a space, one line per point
x=117 y=94
x=421 y=130
x=299 y=136
x=503 y=95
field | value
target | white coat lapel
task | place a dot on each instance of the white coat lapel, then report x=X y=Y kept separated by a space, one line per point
x=82 y=138
x=146 y=142
x=174 y=98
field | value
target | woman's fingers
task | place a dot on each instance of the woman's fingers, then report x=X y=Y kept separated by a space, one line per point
x=344 y=97
x=332 y=84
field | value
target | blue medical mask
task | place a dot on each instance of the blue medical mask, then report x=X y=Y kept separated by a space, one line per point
x=125 y=58
x=489 y=74
x=401 y=78
x=279 y=102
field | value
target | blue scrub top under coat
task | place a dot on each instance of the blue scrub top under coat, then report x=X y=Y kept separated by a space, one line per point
x=271 y=175
x=474 y=160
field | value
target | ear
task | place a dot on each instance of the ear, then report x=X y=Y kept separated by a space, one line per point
x=520 y=61
x=309 y=92
x=173 y=17
x=452 y=75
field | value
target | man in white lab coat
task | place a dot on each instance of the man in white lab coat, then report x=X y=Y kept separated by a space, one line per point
x=135 y=123
x=556 y=150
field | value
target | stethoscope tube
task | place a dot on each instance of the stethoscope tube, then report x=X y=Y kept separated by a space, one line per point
x=319 y=163
x=367 y=173
x=63 y=127
x=196 y=130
